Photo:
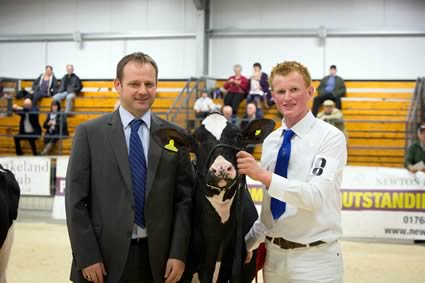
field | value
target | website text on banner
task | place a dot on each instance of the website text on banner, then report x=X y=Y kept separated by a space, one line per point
x=377 y=202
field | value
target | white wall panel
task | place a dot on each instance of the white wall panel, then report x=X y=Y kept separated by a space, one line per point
x=97 y=59
x=22 y=60
x=225 y=52
x=377 y=58
x=313 y=13
x=175 y=58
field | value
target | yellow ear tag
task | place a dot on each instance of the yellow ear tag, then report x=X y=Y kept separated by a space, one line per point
x=257 y=132
x=170 y=146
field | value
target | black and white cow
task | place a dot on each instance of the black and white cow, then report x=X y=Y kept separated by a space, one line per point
x=223 y=209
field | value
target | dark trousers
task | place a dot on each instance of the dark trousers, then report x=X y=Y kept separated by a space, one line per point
x=137 y=268
x=318 y=100
x=37 y=97
x=233 y=99
x=18 y=144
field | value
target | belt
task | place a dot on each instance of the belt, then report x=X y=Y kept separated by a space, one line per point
x=138 y=241
x=287 y=245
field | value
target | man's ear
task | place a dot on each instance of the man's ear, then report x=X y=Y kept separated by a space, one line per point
x=257 y=131
x=173 y=139
x=117 y=85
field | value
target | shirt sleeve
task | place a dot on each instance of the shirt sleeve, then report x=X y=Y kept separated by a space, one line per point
x=255 y=236
x=323 y=179
x=197 y=105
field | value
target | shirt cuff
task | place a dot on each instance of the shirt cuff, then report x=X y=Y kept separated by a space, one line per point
x=277 y=187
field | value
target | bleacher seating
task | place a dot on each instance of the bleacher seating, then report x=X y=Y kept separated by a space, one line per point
x=375 y=114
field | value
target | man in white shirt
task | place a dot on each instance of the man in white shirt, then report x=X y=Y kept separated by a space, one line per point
x=203 y=105
x=301 y=168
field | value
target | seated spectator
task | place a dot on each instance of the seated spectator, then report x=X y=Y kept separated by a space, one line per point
x=415 y=157
x=43 y=86
x=236 y=87
x=227 y=112
x=9 y=200
x=29 y=126
x=333 y=116
x=203 y=105
x=56 y=127
x=258 y=88
x=331 y=87
x=250 y=114
x=69 y=88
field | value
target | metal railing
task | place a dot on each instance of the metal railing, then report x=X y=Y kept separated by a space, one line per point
x=416 y=113
x=184 y=101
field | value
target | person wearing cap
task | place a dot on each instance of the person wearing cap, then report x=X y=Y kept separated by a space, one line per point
x=415 y=157
x=301 y=170
x=204 y=105
x=331 y=87
x=333 y=116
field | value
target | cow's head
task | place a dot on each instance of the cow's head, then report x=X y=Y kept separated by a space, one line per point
x=215 y=144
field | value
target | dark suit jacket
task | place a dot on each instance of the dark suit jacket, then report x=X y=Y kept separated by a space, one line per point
x=100 y=206
x=33 y=117
x=339 y=90
x=9 y=200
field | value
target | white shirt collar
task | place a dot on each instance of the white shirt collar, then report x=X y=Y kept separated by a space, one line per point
x=127 y=117
x=303 y=126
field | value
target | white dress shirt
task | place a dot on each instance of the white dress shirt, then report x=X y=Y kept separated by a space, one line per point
x=204 y=104
x=126 y=118
x=311 y=191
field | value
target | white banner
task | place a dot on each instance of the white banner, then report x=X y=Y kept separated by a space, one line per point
x=31 y=172
x=377 y=202
x=59 y=200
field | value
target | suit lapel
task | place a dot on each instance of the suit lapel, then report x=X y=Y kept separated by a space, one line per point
x=154 y=154
x=119 y=146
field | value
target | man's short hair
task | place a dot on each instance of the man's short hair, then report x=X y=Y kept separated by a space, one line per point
x=332 y=67
x=421 y=127
x=287 y=67
x=137 y=57
x=257 y=65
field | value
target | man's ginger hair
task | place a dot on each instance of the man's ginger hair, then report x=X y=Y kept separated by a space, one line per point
x=287 y=67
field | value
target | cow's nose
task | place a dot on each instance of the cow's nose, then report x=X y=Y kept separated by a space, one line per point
x=223 y=168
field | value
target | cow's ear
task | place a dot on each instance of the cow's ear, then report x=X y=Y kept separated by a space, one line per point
x=174 y=140
x=257 y=130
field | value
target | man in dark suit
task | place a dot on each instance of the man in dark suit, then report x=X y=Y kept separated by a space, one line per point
x=29 y=126
x=128 y=199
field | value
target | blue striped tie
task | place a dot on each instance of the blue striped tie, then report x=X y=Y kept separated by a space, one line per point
x=138 y=172
x=278 y=207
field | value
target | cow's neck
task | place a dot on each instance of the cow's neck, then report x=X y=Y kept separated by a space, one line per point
x=221 y=207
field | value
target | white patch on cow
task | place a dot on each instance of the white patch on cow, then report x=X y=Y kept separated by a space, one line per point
x=215 y=124
x=216 y=271
x=220 y=206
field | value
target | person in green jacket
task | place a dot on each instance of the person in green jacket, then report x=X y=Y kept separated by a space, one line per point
x=416 y=152
x=331 y=87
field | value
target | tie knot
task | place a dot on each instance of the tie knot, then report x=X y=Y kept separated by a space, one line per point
x=135 y=124
x=288 y=134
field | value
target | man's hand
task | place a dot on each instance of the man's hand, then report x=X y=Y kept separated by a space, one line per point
x=248 y=165
x=94 y=272
x=248 y=257
x=174 y=270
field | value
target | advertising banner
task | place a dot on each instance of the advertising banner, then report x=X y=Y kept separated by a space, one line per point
x=31 y=172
